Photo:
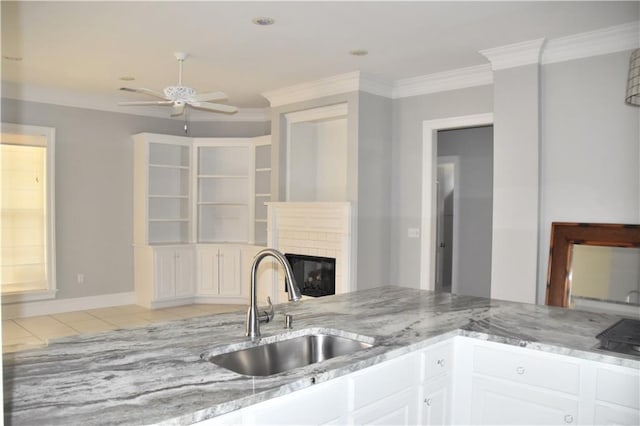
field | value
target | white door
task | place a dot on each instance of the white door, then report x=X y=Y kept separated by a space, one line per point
x=208 y=270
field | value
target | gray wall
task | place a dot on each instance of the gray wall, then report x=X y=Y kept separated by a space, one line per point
x=474 y=147
x=374 y=190
x=590 y=155
x=516 y=175
x=94 y=187
x=406 y=170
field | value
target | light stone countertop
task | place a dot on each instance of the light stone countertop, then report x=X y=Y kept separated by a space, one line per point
x=155 y=375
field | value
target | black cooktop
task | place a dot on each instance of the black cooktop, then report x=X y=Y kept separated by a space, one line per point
x=622 y=337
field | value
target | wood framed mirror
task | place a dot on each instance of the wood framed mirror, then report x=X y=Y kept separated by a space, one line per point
x=564 y=236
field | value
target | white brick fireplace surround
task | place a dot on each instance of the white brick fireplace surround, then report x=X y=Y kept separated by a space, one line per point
x=314 y=229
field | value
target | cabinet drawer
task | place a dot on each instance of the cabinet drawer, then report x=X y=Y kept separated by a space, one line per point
x=527 y=368
x=389 y=378
x=618 y=387
x=437 y=360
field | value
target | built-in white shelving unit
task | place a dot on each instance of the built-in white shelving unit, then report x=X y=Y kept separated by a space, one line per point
x=162 y=190
x=195 y=208
x=224 y=190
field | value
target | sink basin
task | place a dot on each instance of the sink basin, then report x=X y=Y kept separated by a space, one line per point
x=284 y=355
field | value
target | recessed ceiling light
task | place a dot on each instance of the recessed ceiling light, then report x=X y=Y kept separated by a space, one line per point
x=12 y=58
x=358 y=52
x=263 y=21
x=127 y=78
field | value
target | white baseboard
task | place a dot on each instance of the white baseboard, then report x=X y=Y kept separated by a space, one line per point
x=48 y=307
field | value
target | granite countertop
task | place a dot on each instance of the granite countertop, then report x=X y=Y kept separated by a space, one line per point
x=155 y=375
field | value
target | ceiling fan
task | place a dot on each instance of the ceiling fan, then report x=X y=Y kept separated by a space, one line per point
x=180 y=96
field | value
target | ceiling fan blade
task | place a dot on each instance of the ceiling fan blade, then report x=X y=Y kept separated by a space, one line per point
x=145 y=91
x=178 y=109
x=214 y=107
x=134 y=103
x=211 y=96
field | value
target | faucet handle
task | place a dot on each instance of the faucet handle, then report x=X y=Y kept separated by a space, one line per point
x=266 y=316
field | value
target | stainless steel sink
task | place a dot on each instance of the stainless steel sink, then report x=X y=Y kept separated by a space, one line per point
x=284 y=355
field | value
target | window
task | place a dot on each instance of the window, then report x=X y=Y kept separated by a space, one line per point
x=27 y=258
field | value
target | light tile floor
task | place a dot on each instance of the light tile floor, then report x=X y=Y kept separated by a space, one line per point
x=32 y=332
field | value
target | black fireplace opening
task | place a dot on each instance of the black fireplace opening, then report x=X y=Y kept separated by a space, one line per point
x=316 y=276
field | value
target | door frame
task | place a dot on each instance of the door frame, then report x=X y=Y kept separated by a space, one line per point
x=429 y=192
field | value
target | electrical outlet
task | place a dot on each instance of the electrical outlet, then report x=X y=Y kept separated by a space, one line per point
x=413 y=232
x=80 y=278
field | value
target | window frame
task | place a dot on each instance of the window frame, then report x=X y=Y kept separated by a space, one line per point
x=50 y=258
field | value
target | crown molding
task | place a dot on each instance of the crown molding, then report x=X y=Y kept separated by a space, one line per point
x=335 y=85
x=599 y=42
x=479 y=75
x=514 y=55
x=109 y=103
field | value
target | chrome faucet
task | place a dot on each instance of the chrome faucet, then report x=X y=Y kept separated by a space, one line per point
x=253 y=317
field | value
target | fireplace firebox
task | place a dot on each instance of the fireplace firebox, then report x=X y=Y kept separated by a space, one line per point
x=316 y=276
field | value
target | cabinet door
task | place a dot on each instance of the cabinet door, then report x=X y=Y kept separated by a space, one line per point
x=184 y=273
x=321 y=404
x=164 y=265
x=498 y=402
x=434 y=402
x=398 y=409
x=616 y=415
x=230 y=274
x=208 y=270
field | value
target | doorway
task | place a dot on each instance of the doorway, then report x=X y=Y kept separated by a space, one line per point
x=432 y=129
x=465 y=210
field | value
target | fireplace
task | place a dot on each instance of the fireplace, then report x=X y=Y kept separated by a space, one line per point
x=316 y=276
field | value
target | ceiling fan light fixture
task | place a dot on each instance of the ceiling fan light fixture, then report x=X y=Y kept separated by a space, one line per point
x=127 y=78
x=263 y=21
x=179 y=92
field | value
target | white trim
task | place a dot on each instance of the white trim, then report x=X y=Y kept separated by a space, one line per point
x=318 y=114
x=21 y=310
x=337 y=84
x=309 y=115
x=50 y=134
x=599 y=42
x=429 y=160
x=479 y=75
x=109 y=103
x=514 y=55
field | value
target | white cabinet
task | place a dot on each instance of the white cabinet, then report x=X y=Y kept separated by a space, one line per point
x=321 y=404
x=197 y=191
x=502 y=384
x=436 y=384
x=617 y=399
x=165 y=275
x=220 y=271
x=387 y=393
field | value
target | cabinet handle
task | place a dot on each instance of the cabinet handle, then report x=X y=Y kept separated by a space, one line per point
x=428 y=401
x=520 y=370
x=568 y=418
x=441 y=362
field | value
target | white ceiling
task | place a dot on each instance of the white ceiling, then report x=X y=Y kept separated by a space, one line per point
x=85 y=47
